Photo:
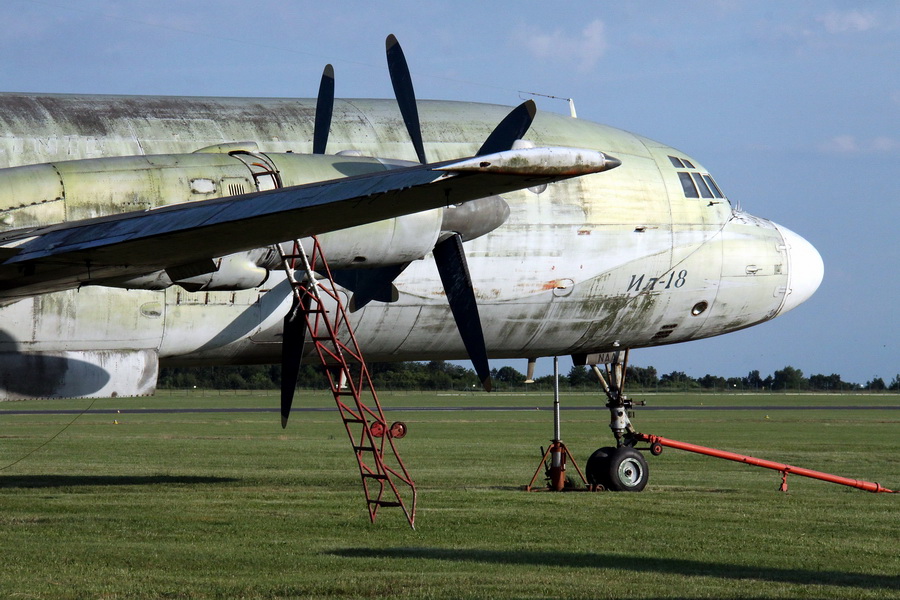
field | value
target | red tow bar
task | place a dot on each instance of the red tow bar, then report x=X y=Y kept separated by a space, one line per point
x=656 y=442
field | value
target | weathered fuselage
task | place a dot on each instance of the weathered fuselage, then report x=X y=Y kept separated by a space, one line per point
x=648 y=253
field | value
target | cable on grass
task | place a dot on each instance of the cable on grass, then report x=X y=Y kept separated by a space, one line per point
x=53 y=437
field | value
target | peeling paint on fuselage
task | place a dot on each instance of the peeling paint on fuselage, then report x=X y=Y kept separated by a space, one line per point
x=640 y=256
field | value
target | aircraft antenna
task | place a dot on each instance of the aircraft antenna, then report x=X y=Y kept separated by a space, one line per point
x=571 y=101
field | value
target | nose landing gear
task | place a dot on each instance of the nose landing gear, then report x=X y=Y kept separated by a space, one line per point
x=620 y=468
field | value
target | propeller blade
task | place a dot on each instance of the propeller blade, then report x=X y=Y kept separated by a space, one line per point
x=294 y=336
x=324 y=109
x=510 y=129
x=406 y=96
x=451 y=264
x=369 y=284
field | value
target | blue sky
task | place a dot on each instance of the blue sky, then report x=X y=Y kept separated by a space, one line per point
x=793 y=106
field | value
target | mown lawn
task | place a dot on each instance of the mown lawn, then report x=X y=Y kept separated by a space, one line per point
x=229 y=505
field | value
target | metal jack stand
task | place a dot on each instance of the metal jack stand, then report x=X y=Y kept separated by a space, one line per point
x=557 y=451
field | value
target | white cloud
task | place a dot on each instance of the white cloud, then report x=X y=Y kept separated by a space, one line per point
x=584 y=48
x=885 y=144
x=849 y=143
x=851 y=21
x=840 y=143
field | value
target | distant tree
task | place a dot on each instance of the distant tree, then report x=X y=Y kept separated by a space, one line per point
x=789 y=378
x=678 y=380
x=644 y=377
x=876 y=385
x=509 y=375
x=712 y=382
x=581 y=377
x=895 y=383
x=825 y=383
x=753 y=381
x=546 y=382
x=735 y=383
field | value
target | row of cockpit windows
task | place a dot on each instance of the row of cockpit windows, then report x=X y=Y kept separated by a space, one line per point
x=695 y=185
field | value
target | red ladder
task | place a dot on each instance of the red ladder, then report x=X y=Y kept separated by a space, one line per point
x=385 y=480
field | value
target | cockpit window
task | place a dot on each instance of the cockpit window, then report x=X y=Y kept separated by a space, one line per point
x=701 y=185
x=688 y=185
x=712 y=185
x=695 y=185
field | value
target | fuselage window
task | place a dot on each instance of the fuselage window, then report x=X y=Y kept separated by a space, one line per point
x=688 y=184
x=688 y=163
x=676 y=162
x=701 y=185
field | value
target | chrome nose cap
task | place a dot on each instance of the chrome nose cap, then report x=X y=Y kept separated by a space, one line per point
x=805 y=269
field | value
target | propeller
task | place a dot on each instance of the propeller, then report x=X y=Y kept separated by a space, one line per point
x=294 y=331
x=293 y=338
x=510 y=129
x=448 y=253
x=324 y=109
x=454 y=271
x=406 y=96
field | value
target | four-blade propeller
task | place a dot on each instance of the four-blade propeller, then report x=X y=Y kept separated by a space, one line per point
x=448 y=252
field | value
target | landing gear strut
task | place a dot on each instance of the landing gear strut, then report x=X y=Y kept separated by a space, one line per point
x=622 y=468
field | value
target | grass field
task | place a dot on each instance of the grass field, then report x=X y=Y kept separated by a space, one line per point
x=229 y=505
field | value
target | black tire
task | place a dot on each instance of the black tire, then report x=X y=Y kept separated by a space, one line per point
x=627 y=470
x=597 y=467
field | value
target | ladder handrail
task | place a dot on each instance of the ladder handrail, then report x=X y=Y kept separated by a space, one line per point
x=336 y=355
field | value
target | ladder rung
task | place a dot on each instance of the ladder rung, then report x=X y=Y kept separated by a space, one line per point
x=364 y=448
x=353 y=420
x=384 y=503
x=375 y=475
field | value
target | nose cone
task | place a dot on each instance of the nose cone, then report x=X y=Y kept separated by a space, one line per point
x=805 y=269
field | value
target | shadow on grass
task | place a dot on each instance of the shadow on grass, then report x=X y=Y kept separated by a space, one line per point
x=52 y=481
x=638 y=564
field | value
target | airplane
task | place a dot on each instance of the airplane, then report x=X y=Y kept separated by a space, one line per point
x=144 y=231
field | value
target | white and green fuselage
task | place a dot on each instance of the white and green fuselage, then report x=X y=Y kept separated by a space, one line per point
x=645 y=254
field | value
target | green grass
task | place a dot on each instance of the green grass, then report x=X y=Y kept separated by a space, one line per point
x=204 y=505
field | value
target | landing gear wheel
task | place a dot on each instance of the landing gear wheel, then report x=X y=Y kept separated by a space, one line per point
x=597 y=467
x=628 y=470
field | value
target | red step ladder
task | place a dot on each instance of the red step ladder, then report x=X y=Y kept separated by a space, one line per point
x=385 y=480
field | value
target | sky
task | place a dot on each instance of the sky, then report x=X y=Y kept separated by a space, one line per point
x=793 y=106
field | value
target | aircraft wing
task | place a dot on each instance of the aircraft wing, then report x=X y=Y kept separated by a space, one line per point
x=74 y=253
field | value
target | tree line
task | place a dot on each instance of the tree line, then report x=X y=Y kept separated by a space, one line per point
x=442 y=375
